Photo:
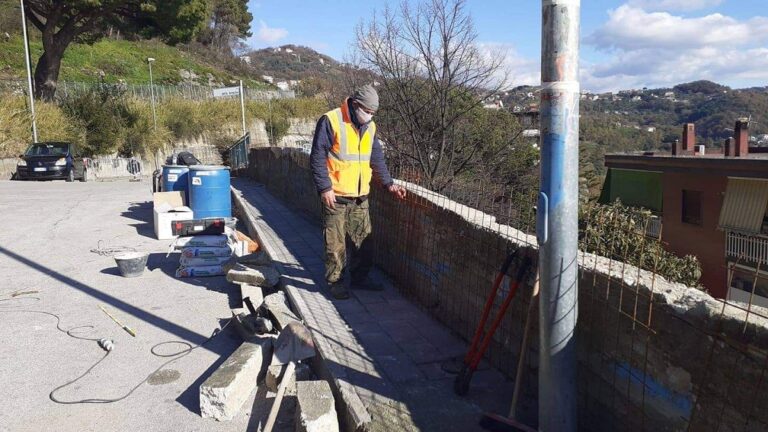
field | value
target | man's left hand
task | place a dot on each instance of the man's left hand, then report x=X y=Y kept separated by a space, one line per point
x=398 y=191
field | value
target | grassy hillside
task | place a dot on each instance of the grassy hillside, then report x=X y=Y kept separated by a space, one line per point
x=293 y=62
x=126 y=60
x=103 y=125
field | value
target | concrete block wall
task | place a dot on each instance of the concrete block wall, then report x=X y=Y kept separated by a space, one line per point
x=7 y=168
x=652 y=355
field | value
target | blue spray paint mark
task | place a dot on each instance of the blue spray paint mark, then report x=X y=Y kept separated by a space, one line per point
x=654 y=390
x=552 y=178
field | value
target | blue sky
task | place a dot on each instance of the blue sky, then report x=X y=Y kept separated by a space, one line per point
x=625 y=43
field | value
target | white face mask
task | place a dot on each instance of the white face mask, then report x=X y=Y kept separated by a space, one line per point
x=363 y=116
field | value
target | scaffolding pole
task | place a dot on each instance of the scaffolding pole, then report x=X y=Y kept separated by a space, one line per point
x=557 y=215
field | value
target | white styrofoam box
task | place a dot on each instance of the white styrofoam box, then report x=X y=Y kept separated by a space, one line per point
x=164 y=217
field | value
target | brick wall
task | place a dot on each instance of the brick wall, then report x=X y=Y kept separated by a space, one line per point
x=652 y=355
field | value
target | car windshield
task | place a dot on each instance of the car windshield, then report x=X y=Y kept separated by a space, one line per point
x=53 y=149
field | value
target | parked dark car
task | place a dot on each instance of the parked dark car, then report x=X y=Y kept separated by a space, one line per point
x=52 y=160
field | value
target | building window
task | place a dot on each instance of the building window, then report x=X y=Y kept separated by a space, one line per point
x=747 y=281
x=692 y=207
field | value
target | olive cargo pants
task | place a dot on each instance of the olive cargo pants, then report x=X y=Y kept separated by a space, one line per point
x=347 y=228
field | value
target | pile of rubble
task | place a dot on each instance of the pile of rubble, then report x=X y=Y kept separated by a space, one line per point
x=265 y=314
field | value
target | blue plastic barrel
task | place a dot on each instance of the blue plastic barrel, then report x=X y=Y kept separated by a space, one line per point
x=209 y=193
x=175 y=179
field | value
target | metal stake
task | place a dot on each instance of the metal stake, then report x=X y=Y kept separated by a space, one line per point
x=152 y=92
x=29 y=72
x=557 y=216
x=242 y=105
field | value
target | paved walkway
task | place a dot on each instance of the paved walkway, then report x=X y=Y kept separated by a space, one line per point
x=384 y=353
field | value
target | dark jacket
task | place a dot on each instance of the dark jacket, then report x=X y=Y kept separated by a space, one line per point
x=322 y=143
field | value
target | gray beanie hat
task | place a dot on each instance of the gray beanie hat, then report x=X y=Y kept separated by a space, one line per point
x=367 y=97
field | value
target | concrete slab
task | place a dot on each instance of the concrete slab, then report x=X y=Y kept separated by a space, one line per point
x=276 y=374
x=315 y=411
x=223 y=393
x=277 y=304
x=255 y=293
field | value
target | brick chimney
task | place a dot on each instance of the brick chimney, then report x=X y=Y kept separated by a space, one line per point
x=728 y=150
x=689 y=137
x=677 y=148
x=741 y=136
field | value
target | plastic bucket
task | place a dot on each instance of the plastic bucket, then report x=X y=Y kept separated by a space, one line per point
x=131 y=264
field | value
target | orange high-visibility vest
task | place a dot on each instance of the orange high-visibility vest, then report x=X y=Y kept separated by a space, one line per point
x=349 y=160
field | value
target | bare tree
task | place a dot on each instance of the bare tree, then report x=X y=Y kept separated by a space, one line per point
x=433 y=78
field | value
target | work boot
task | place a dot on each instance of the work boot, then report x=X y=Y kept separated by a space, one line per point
x=367 y=285
x=339 y=291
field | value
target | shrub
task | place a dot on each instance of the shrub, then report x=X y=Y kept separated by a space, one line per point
x=618 y=232
x=104 y=115
x=16 y=127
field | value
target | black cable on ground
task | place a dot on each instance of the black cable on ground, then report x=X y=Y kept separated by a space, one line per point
x=176 y=355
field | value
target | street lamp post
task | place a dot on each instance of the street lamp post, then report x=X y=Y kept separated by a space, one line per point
x=29 y=72
x=557 y=214
x=152 y=91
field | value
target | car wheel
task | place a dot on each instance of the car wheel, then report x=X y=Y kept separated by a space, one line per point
x=71 y=175
x=84 y=178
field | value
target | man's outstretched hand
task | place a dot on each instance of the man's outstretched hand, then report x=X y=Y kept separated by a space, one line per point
x=329 y=198
x=398 y=191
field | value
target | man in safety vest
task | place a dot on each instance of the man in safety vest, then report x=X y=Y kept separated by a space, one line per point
x=346 y=155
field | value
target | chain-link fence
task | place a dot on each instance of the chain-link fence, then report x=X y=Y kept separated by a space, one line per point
x=144 y=91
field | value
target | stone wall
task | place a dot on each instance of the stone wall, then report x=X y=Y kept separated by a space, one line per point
x=652 y=355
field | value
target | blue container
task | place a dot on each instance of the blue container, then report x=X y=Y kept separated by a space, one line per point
x=175 y=179
x=209 y=193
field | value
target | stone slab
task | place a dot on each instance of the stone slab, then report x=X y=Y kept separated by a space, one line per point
x=255 y=293
x=224 y=392
x=315 y=407
x=275 y=375
x=277 y=304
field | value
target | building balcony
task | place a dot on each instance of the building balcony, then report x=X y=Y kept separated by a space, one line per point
x=749 y=248
x=653 y=229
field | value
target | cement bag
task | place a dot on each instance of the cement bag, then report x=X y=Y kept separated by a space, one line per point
x=203 y=241
x=199 y=252
x=186 y=261
x=199 y=271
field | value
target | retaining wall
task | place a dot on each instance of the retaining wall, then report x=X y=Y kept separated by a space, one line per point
x=652 y=355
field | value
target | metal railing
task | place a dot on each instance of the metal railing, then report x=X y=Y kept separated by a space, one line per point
x=237 y=154
x=747 y=247
x=653 y=229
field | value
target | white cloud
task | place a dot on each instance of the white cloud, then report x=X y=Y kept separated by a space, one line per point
x=674 y=5
x=630 y=28
x=660 y=49
x=270 y=34
x=515 y=69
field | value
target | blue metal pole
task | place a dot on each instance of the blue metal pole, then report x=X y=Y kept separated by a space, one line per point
x=557 y=224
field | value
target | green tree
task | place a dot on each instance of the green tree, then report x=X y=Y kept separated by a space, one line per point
x=434 y=78
x=62 y=22
x=229 y=21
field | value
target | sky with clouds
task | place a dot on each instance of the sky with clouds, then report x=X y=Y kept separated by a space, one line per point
x=624 y=44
